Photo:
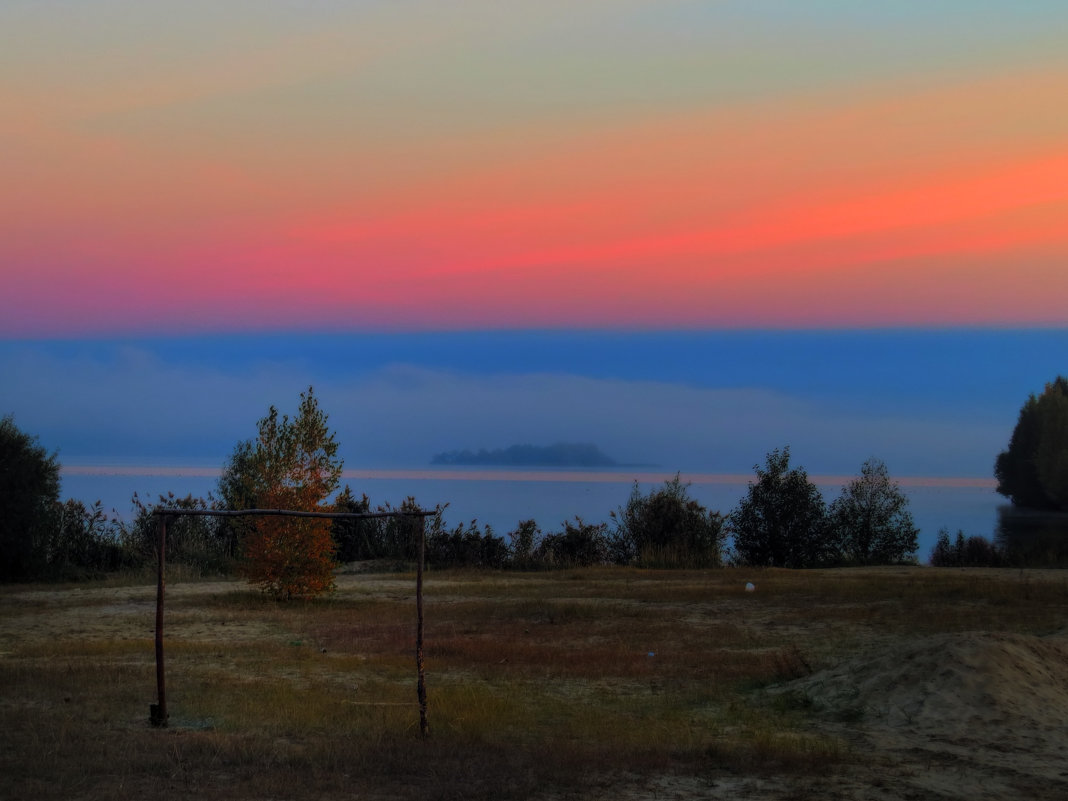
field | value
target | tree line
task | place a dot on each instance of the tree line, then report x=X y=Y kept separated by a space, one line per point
x=782 y=521
x=293 y=463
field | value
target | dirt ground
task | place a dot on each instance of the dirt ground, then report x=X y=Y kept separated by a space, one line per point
x=964 y=715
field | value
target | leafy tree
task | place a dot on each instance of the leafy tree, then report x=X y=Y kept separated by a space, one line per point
x=782 y=521
x=870 y=520
x=29 y=496
x=668 y=527
x=292 y=464
x=1033 y=471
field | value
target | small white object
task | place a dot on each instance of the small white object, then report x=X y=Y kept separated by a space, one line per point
x=749 y=586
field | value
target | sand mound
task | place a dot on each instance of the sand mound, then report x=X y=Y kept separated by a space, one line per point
x=980 y=715
x=952 y=683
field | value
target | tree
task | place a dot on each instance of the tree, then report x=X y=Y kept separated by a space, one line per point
x=782 y=521
x=29 y=499
x=870 y=520
x=668 y=527
x=965 y=551
x=1033 y=471
x=292 y=464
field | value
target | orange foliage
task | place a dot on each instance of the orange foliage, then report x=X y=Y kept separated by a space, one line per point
x=290 y=557
x=292 y=465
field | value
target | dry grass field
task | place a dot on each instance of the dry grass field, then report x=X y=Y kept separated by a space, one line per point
x=881 y=683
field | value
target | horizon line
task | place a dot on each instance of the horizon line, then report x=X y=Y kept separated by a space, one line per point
x=548 y=474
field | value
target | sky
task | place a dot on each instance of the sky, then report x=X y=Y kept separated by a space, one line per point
x=412 y=164
x=687 y=231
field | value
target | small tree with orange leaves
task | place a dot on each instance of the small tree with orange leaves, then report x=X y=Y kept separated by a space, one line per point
x=292 y=464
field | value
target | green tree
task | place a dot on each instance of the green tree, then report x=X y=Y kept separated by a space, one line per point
x=668 y=527
x=870 y=520
x=1033 y=471
x=292 y=464
x=29 y=499
x=782 y=521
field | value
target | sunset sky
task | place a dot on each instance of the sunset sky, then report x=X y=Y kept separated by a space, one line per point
x=249 y=166
x=690 y=231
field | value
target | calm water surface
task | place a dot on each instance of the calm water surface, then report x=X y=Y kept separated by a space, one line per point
x=501 y=498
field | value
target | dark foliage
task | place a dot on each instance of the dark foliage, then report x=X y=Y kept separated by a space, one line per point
x=29 y=497
x=86 y=543
x=782 y=521
x=199 y=542
x=580 y=544
x=964 y=551
x=667 y=527
x=1033 y=471
x=357 y=540
x=466 y=547
x=870 y=521
x=524 y=539
x=1032 y=537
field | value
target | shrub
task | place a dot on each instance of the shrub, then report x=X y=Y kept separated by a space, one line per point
x=668 y=528
x=86 y=543
x=357 y=539
x=580 y=544
x=524 y=540
x=465 y=547
x=202 y=543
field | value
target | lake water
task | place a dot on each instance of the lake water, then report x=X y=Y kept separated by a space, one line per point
x=501 y=498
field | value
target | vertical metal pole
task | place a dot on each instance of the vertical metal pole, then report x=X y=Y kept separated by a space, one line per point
x=158 y=712
x=424 y=727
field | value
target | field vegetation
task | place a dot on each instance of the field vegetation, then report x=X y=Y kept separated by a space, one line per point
x=577 y=683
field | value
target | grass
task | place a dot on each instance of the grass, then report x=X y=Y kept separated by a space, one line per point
x=558 y=684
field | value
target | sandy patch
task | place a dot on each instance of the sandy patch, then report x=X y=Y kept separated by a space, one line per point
x=971 y=715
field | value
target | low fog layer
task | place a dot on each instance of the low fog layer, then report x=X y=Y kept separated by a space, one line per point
x=939 y=406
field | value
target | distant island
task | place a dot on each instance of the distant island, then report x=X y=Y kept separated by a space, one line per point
x=562 y=454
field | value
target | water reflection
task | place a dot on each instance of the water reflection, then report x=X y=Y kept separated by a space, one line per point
x=1033 y=537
